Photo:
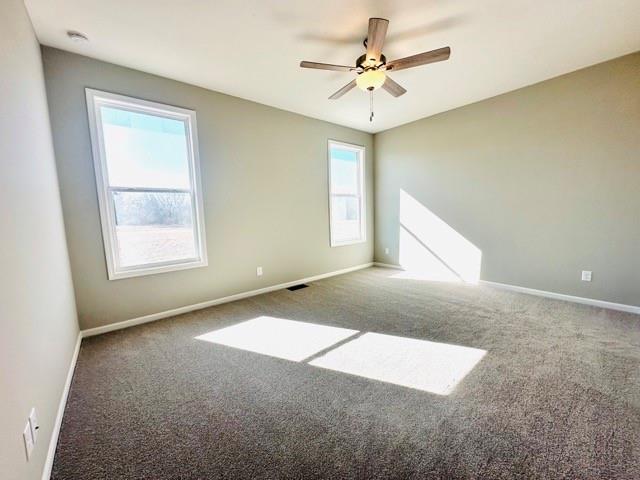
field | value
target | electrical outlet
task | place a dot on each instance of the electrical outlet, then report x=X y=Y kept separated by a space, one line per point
x=386 y=251
x=586 y=276
x=259 y=271
x=35 y=426
x=28 y=440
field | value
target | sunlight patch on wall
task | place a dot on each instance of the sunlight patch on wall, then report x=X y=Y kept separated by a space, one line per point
x=277 y=337
x=431 y=249
x=420 y=364
x=419 y=263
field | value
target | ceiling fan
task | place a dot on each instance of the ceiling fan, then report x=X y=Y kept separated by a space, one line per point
x=372 y=67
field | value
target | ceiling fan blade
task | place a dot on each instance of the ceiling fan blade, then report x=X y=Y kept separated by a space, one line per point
x=327 y=66
x=393 y=88
x=420 y=59
x=343 y=90
x=375 y=38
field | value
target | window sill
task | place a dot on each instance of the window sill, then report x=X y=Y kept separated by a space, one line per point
x=348 y=242
x=140 y=272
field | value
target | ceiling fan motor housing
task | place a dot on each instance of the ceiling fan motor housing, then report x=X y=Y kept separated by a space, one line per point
x=371 y=68
x=365 y=64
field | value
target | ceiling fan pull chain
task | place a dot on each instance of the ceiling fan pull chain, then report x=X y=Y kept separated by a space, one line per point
x=371 y=105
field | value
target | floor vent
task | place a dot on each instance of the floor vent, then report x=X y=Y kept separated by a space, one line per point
x=297 y=287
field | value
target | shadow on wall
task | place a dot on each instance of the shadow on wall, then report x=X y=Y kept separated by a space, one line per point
x=431 y=250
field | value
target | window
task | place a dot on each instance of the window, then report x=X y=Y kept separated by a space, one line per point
x=346 y=193
x=147 y=174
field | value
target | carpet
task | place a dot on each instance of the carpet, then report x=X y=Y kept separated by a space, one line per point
x=497 y=385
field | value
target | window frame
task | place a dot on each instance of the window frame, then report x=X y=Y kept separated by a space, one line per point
x=98 y=98
x=361 y=152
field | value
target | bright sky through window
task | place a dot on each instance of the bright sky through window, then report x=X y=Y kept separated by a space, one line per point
x=344 y=170
x=346 y=185
x=145 y=150
x=147 y=173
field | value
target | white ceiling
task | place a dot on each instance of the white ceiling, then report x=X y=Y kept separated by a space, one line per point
x=252 y=48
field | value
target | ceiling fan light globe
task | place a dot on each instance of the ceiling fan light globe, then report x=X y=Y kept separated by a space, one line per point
x=371 y=80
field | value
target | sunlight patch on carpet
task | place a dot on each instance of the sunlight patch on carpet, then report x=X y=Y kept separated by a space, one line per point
x=420 y=364
x=278 y=337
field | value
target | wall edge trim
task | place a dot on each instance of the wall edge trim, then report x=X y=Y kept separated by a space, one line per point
x=621 y=307
x=218 y=301
x=567 y=298
x=53 y=441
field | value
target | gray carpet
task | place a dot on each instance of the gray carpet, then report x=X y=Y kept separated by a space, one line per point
x=557 y=394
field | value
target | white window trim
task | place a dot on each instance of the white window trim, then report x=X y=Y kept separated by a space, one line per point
x=361 y=150
x=107 y=209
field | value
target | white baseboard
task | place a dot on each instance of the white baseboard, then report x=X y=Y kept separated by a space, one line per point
x=387 y=265
x=543 y=293
x=53 y=441
x=568 y=298
x=199 y=306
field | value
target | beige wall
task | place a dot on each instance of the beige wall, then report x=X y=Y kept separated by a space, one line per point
x=38 y=327
x=264 y=176
x=545 y=181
